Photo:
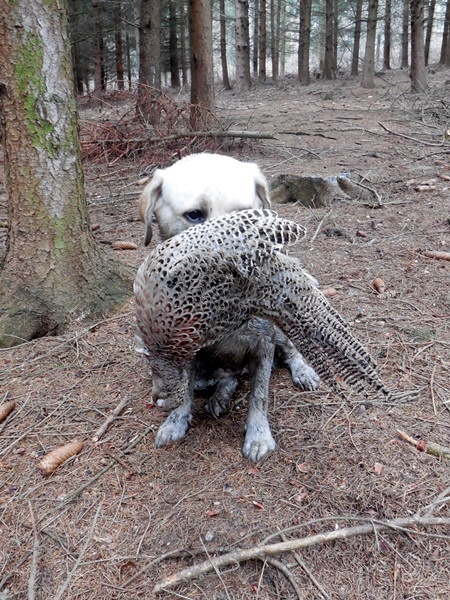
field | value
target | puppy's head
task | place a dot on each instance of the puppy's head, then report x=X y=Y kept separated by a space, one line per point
x=197 y=188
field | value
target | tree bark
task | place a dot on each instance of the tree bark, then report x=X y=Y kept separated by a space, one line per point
x=173 y=46
x=274 y=36
x=367 y=80
x=429 y=29
x=223 y=46
x=304 y=42
x=445 y=47
x=243 y=77
x=149 y=60
x=118 y=40
x=202 y=70
x=418 y=72
x=53 y=271
x=356 y=39
x=405 y=35
x=262 y=40
x=255 y=53
x=328 y=57
x=387 y=36
x=98 y=53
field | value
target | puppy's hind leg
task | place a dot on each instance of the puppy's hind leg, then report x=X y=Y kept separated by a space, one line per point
x=220 y=401
x=303 y=376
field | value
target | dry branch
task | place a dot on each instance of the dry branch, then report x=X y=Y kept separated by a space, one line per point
x=115 y=413
x=408 y=137
x=262 y=552
x=427 y=447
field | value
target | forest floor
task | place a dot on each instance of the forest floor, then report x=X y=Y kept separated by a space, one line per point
x=123 y=515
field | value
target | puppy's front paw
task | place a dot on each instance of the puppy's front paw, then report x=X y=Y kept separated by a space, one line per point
x=304 y=377
x=258 y=442
x=174 y=428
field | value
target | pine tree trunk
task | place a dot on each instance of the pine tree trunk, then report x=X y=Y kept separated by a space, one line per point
x=304 y=45
x=118 y=40
x=387 y=36
x=262 y=40
x=149 y=60
x=98 y=52
x=53 y=270
x=202 y=70
x=243 y=77
x=173 y=46
x=429 y=31
x=405 y=34
x=367 y=80
x=356 y=39
x=418 y=70
x=328 y=57
x=445 y=47
x=255 y=38
x=223 y=46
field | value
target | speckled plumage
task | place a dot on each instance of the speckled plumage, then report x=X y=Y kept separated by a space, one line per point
x=202 y=285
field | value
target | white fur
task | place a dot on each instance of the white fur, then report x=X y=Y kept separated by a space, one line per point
x=212 y=184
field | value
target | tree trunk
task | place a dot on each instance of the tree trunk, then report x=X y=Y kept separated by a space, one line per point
x=405 y=34
x=387 y=36
x=304 y=43
x=202 y=69
x=275 y=14
x=118 y=40
x=76 y=56
x=418 y=72
x=367 y=80
x=98 y=52
x=243 y=77
x=53 y=271
x=128 y=54
x=255 y=54
x=262 y=40
x=149 y=60
x=328 y=57
x=223 y=46
x=445 y=47
x=429 y=31
x=173 y=46
x=356 y=39
x=184 y=24
x=335 y=37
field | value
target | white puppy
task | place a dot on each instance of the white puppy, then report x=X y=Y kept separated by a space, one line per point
x=198 y=188
x=190 y=192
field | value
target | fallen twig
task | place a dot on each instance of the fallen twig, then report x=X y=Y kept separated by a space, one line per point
x=319 y=226
x=287 y=573
x=34 y=558
x=261 y=552
x=308 y=571
x=408 y=137
x=61 y=591
x=428 y=447
x=115 y=413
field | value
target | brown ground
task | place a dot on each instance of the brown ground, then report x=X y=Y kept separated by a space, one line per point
x=117 y=508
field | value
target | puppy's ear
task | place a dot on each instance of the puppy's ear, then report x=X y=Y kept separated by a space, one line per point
x=152 y=192
x=262 y=190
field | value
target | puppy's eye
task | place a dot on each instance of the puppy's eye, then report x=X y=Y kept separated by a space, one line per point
x=194 y=216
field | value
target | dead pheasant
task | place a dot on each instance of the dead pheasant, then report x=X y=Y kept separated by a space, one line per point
x=196 y=289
